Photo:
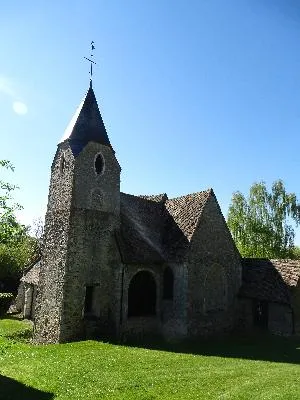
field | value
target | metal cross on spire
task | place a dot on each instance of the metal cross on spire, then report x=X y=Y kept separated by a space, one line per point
x=91 y=61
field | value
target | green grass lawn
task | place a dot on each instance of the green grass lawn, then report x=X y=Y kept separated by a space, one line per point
x=265 y=368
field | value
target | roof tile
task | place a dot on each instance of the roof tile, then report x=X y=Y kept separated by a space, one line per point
x=269 y=280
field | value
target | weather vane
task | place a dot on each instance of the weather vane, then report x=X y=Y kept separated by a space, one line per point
x=91 y=61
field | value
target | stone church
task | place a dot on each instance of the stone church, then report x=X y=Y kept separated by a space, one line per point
x=115 y=265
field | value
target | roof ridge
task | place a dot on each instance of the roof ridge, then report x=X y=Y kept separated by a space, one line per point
x=161 y=197
x=155 y=198
x=208 y=191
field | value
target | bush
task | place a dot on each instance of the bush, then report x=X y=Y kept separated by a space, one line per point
x=14 y=258
x=5 y=301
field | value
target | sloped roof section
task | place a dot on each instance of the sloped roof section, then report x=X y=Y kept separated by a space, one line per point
x=186 y=211
x=155 y=197
x=141 y=230
x=155 y=229
x=289 y=270
x=86 y=125
x=32 y=274
x=269 y=280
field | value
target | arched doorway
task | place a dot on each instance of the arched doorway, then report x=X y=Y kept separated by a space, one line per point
x=142 y=295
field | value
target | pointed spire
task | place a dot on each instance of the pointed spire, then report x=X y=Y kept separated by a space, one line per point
x=86 y=125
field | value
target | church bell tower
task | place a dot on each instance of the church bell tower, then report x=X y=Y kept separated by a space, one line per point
x=83 y=214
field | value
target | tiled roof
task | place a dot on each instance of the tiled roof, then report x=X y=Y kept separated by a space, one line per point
x=141 y=229
x=289 y=270
x=154 y=229
x=269 y=280
x=155 y=197
x=32 y=274
x=186 y=211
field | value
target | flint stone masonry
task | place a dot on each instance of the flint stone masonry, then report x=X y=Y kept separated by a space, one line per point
x=78 y=240
x=214 y=266
x=97 y=239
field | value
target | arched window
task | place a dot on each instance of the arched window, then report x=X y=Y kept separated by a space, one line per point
x=215 y=289
x=142 y=295
x=99 y=164
x=168 y=284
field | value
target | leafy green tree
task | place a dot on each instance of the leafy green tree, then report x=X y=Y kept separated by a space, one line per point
x=296 y=253
x=17 y=248
x=10 y=230
x=261 y=224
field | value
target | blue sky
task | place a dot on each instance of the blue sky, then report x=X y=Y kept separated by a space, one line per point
x=194 y=94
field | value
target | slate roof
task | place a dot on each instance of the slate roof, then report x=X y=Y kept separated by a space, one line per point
x=86 y=125
x=32 y=274
x=269 y=280
x=155 y=228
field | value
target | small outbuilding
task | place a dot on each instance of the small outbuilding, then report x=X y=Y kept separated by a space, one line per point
x=270 y=296
x=26 y=297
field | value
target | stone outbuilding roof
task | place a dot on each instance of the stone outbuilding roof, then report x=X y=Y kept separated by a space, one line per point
x=32 y=274
x=289 y=270
x=155 y=228
x=269 y=280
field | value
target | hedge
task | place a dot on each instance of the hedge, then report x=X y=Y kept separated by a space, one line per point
x=5 y=302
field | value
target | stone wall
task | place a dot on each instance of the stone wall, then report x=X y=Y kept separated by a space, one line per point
x=295 y=300
x=139 y=325
x=97 y=191
x=170 y=319
x=280 y=318
x=51 y=281
x=80 y=249
x=213 y=261
x=280 y=321
x=244 y=320
x=174 y=312
x=92 y=259
x=19 y=300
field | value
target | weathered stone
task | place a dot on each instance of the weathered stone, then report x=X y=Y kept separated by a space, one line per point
x=108 y=255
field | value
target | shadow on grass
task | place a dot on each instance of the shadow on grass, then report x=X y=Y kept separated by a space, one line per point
x=264 y=347
x=14 y=316
x=13 y=390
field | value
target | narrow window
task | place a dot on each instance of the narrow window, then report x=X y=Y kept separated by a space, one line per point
x=168 y=284
x=99 y=164
x=62 y=164
x=88 y=304
x=260 y=314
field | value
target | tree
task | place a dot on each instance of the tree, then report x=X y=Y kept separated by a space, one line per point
x=17 y=248
x=261 y=225
x=10 y=230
